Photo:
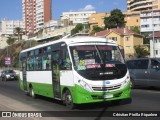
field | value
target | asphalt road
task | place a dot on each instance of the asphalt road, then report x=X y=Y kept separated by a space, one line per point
x=143 y=100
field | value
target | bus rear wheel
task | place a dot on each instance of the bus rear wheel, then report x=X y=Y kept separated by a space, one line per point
x=68 y=100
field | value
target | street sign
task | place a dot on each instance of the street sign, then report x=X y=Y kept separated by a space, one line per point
x=7 y=60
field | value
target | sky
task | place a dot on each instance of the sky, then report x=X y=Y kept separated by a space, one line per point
x=12 y=9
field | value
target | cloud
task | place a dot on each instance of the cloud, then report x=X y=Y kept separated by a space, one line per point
x=87 y=8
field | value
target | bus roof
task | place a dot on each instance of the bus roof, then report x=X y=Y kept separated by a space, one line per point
x=78 y=39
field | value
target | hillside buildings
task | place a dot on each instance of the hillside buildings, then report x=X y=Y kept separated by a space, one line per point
x=8 y=27
x=132 y=19
x=77 y=17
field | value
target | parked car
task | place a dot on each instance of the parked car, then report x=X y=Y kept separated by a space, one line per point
x=8 y=75
x=144 y=71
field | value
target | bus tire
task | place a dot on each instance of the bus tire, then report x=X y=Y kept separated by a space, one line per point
x=68 y=99
x=132 y=83
x=31 y=93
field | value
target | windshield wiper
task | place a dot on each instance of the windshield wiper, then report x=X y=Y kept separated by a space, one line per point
x=99 y=55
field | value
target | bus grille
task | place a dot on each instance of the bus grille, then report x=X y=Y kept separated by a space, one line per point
x=106 y=88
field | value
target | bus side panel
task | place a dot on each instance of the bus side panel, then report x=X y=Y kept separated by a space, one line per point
x=41 y=82
x=67 y=81
x=66 y=78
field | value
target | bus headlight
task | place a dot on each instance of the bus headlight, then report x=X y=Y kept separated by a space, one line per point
x=84 y=85
x=126 y=81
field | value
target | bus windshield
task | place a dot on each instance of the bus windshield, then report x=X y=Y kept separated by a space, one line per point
x=98 y=62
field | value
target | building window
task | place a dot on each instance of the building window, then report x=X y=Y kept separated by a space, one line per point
x=137 y=20
x=127 y=38
x=156 y=52
x=128 y=47
x=113 y=38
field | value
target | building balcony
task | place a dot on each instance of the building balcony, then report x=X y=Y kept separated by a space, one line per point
x=140 y=3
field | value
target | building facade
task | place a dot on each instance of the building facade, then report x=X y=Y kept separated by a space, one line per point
x=77 y=17
x=141 y=5
x=132 y=19
x=97 y=20
x=8 y=27
x=125 y=38
x=35 y=14
x=150 y=21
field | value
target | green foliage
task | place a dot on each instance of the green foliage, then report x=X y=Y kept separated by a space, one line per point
x=19 y=32
x=116 y=19
x=10 y=41
x=146 y=39
x=136 y=29
x=141 y=52
x=97 y=29
x=80 y=27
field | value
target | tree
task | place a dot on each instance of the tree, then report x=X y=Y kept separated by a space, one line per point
x=141 y=52
x=19 y=32
x=80 y=27
x=10 y=41
x=116 y=19
x=97 y=29
x=136 y=29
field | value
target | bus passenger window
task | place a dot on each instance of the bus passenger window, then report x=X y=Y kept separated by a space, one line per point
x=30 y=64
x=38 y=63
x=47 y=62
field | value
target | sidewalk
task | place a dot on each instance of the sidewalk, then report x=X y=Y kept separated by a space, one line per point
x=8 y=104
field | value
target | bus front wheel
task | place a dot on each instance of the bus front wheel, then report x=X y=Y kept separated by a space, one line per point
x=132 y=83
x=68 y=99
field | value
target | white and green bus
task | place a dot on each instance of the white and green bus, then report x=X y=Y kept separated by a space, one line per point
x=75 y=70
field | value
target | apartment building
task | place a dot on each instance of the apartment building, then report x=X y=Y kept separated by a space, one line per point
x=125 y=38
x=141 y=5
x=8 y=27
x=77 y=17
x=132 y=19
x=150 y=21
x=35 y=14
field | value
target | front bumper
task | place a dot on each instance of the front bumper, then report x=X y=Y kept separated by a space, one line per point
x=83 y=96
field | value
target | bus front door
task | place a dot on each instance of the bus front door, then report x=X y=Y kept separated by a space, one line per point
x=56 y=80
x=24 y=73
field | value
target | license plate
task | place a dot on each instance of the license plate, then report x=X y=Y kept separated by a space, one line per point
x=108 y=96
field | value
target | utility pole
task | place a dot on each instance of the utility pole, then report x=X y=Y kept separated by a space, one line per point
x=153 y=30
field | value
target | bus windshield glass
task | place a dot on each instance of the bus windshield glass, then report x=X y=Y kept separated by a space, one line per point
x=98 y=62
